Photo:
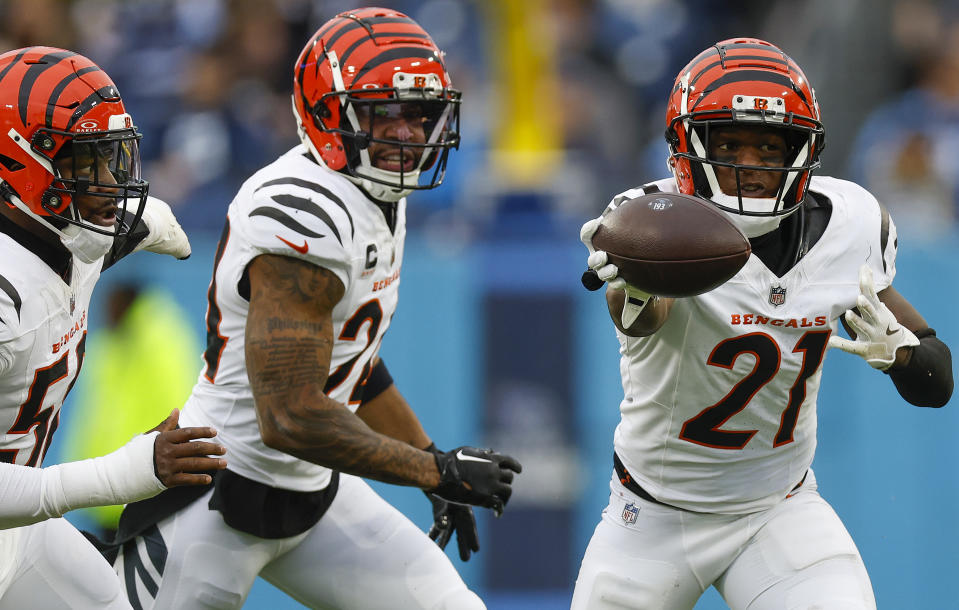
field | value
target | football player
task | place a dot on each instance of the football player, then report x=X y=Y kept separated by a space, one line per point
x=304 y=287
x=73 y=204
x=712 y=483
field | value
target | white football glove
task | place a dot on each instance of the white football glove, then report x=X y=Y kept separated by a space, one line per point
x=878 y=333
x=166 y=236
x=598 y=261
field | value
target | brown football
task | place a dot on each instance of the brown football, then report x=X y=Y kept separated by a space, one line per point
x=672 y=245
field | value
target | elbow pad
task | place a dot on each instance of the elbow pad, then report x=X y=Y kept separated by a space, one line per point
x=927 y=380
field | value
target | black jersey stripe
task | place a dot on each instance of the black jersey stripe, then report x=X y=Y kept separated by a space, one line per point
x=284 y=219
x=883 y=235
x=108 y=93
x=7 y=287
x=15 y=61
x=308 y=206
x=33 y=73
x=360 y=42
x=398 y=53
x=55 y=95
x=313 y=186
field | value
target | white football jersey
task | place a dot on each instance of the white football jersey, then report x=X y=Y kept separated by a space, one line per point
x=43 y=326
x=295 y=207
x=719 y=408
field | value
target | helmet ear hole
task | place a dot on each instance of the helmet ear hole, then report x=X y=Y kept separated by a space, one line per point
x=12 y=165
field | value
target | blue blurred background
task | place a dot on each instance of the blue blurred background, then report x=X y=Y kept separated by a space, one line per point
x=495 y=342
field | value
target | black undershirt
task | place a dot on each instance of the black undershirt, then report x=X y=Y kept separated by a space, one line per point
x=781 y=249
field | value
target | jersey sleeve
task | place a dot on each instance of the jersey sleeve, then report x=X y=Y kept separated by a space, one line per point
x=888 y=246
x=310 y=223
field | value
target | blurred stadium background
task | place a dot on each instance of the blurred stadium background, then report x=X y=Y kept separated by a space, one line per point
x=495 y=342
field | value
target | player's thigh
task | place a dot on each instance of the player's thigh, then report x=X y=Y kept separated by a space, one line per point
x=638 y=559
x=365 y=554
x=802 y=557
x=59 y=568
x=193 y=559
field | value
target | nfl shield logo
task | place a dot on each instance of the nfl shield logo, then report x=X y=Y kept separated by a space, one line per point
x=630 y=513
x=777 y=295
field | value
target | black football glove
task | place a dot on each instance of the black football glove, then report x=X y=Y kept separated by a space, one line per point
x=448 y=518
x=475 y=476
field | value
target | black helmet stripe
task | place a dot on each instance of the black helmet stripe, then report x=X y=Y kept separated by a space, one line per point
x=397 y=53
x=33 y=73
x=751 y=75
x=15 y=61
x=717 y=63
x=359 y=42
x=352 y=24
x=55 y=95
x=92 y=100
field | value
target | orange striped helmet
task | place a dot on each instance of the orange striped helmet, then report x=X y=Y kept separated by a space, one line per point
x=743 y=82
x=62 y=126
x=369 y=65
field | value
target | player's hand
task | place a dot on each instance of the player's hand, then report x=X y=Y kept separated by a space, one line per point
x=476 y=476
x=602 y=271
x=599 y=270
x=449 y=518
x=878 y=334
x=178 y=456
x=165 y=236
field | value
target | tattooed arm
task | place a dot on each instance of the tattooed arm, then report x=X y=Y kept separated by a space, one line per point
x=289 y=342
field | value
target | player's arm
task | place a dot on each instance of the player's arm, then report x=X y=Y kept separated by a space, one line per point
x=153 y=228
x=167 y=456
x=651 y=317
x=386 y=410
x=891 y=335
x=289 y=344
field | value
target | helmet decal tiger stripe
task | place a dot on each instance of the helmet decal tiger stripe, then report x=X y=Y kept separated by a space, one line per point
x=14 y=62
x=104 y=94
x=397 y=53
x=362 y=41
x=55 y=94
x=33 y=73
x=750 y=76
x=353 y=23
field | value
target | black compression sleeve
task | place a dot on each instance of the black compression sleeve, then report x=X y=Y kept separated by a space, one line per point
x=927 y=380
x=377 y=382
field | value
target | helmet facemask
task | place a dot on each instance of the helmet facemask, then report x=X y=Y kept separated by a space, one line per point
x=430 y=113
x=104 y=165
x=94 y=176
x=803 y=137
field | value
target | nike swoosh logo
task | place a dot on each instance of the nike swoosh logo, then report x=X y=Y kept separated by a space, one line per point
x=301 y=249
x=469 y=458
x=890 y=332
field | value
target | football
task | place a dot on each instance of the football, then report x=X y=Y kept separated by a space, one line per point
x=672 y=245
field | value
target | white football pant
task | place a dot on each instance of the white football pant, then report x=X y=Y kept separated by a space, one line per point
x=794 y=556
x=363 y=554
x=50 y=565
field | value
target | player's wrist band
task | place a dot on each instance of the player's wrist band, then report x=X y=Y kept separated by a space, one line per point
x=927 y=380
